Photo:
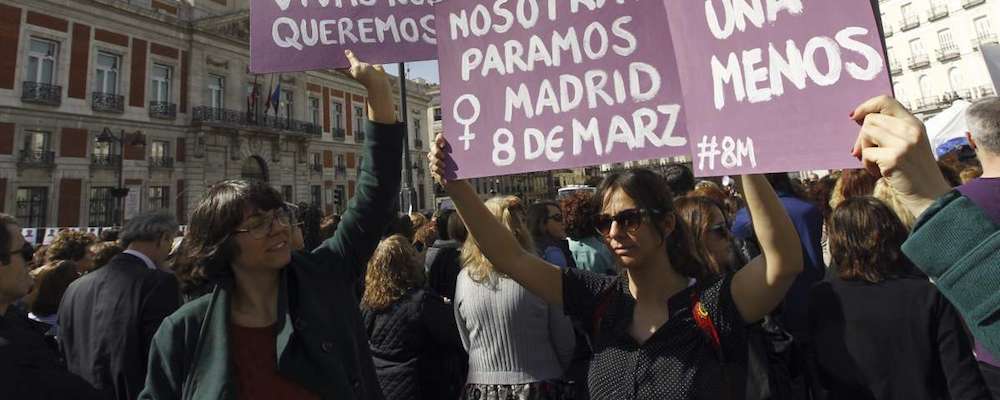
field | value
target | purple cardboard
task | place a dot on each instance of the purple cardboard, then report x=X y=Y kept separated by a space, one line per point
x=797 y=128
x=485 y=117
x=302 y=35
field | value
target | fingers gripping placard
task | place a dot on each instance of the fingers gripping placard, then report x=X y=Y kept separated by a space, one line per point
x=543 y=84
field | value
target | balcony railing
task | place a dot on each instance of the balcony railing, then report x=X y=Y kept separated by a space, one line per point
x=990 y=38
x=107 y=102
x=359 y=136
x=340 y=171
x=339 y=133
x=937 y=12
x=971 y=3
x=895 y=68
x=948 y=53
x=37 y=158
x=162 y=110
x=919 y=61
x=887 y=30
x=161 y=162
x=221 y=116
x=105 y=160
x=316 y=168
x=41 y=93
x=909 y=22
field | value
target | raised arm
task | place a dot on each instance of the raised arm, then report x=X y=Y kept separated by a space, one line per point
x=497 y=243
x=371 y=210
x=761 y=285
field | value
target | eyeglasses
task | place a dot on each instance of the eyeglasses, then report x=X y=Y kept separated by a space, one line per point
x=630 y=220
x=26 y=251
x=719 y=229
x=556 y=218
x=259 y=226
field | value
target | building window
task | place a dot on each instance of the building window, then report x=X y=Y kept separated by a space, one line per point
x=316 y=159
x=37 y=141
x=340 y=161
x=359 y=119
x=925 y=86
x=102 y=149
x=159 y=150
x=917 y=48
x=286 y=191
x=159 y=197
x=161 y=83
x=338 y=115
x=102 y=207
x=945 y=40
x=107 y=72
x=416 y=130
x=32 y=204
x=217 y=91
x=420 y=197
x=314 y=110
x=907 y=10
x=42 y=57
x=316 y=195
x=338 y=199
x=983 y=29
x=955 y=79
x=254 y=97
x=285 y=107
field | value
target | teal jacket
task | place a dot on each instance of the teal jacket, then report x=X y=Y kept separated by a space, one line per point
x=958 y=246
x=321 y=343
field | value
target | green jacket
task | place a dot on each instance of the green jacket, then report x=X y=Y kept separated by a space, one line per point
x=321 y=343
x=958 y=246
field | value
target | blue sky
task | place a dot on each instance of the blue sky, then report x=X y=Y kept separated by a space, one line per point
x=420 y=69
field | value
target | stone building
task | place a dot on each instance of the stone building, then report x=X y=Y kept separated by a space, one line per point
x=933 y=47
x=156 y=96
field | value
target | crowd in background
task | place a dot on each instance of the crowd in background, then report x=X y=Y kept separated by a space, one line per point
x=766 y=287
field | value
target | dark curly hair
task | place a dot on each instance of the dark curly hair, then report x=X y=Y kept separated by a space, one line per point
x=208 y=249
x=650 y=191
x=70 y=246
x=579 y=211
x=866 y=238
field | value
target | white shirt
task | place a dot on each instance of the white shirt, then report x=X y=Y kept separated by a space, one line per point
x=149 y=263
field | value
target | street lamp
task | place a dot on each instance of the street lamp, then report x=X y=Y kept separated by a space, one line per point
x=120 y=192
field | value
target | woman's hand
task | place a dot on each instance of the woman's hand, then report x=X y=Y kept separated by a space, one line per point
x=376 y=81
x=437 y=158
x=894 y=143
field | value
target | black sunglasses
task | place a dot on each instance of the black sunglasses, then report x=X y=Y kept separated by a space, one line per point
x=719 y=229
x=630 y=220
x=556 y=218
x=26 y=251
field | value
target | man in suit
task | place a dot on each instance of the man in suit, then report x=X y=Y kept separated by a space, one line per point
x=108 y=317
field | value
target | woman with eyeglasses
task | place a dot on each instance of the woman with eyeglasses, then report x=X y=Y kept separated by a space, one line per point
x=656 y=333
x=709 y=233
x=279 y=324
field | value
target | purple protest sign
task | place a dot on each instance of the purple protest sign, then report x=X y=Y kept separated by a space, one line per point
x=531 y=85
x=768 y=85
x=301 y=35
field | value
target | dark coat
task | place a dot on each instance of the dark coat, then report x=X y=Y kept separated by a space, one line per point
x=320 y=341
x=442 y=264
x=897 y=339
x=29 y=367
x=107 y=319
x=407 y=340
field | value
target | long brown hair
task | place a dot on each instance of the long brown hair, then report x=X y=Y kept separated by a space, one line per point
x=392 y=272
x=650 y=191
x=51 y=281
x=696 y=212
x=866 y=240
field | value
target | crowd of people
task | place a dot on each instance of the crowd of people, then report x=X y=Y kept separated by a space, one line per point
x=873 y=283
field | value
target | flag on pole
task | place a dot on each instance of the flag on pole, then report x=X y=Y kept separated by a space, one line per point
x=270 y=88
x=276 y=96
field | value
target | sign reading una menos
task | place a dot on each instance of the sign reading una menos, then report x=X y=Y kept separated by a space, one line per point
x=531 y=85
x=301 y=35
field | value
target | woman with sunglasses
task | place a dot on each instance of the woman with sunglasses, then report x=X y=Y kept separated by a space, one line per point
x=656 y=334
x=709 y=233
x=545 y=221
x=279 y=324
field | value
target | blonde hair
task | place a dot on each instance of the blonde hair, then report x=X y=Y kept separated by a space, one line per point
x=508 y=211
x=885 y=192
x=392 y=271
x=418 y=220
